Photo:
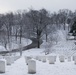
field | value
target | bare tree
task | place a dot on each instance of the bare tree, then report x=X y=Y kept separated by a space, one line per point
x=39 y=20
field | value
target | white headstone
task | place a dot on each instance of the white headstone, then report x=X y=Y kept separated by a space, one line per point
x=43 y=58
x=39 y=58
x=74 y=57
x=69 y=58
x=31 y=66
x=27 y=58
x=61 y=58
x=36 y=57
x=9 y=60
x=75 y=61
x=2 y=65
x=52 y=59
x=1 y=57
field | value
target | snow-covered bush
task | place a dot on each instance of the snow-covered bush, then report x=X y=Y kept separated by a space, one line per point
x=2 y=65
x=47 y=46
x=53 y=39
x=31 y=66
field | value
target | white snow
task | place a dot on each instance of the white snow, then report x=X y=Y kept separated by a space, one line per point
x=63 y=47
x=20 y=68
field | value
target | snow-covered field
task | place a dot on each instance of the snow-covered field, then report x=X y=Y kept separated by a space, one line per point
x=63 y=47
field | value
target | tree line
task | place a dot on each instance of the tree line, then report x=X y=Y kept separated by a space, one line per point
x=33 y=23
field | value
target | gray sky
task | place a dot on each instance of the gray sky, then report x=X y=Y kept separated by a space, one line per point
x=51 y=5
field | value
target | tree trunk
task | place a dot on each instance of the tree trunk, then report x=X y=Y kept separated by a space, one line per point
x=16 y=35
x=68 y=28
x=64 y=26
x=38 y=37
x=8 y=36
x=46 y=37
x=20 y=33
x=6 y=45
x=10 y=30
x=38 y=41
x=20 y=39
x=46 y=33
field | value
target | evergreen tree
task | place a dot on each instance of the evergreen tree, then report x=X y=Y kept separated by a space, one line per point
x=73 y=28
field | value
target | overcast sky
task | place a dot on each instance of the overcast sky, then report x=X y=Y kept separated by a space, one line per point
x=51 y=5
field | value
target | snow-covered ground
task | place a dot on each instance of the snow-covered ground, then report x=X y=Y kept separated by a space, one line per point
x=19 y=67
x=63 y=47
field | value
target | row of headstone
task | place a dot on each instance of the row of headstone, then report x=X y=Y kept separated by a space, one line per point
x=52 y=59
x=41 y=58
x=31 y=63
x=6 y=60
